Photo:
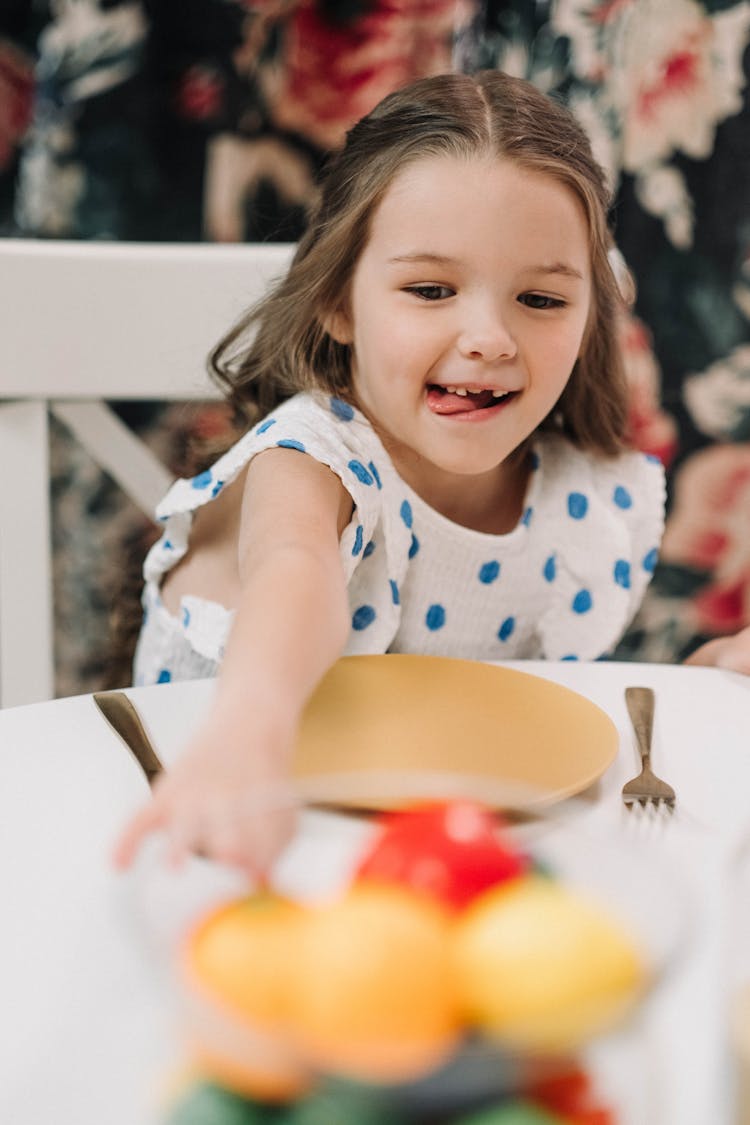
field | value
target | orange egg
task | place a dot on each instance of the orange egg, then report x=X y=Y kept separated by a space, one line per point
x=373 y=995
x=241 y=954
x=236 y=997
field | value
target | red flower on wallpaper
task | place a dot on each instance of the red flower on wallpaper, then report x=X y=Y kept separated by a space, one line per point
x=213 y=423
x=330 y=74
x=16 y=96
x=651 y=429
x=709 y=529
x=200 y=93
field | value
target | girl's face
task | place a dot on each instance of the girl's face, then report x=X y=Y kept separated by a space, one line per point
x=466 y=314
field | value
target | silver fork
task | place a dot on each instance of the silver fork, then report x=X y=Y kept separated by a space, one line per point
x=646 y=791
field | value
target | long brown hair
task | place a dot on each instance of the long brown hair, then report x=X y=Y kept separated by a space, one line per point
x=281 y=346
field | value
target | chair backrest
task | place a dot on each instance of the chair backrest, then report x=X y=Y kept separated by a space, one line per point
x=81 y=324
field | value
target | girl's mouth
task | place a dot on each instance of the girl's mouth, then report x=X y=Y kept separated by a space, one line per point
x=460 y=400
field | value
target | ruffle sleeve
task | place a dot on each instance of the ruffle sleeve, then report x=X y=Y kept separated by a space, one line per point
x=606 y=519
x=335 y=434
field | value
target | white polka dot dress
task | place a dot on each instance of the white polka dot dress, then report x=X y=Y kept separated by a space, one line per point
x=562 y=585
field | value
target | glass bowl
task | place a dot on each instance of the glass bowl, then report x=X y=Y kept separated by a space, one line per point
x=634 y=887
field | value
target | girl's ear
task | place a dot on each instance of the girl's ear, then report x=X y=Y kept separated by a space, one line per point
x=338 y=325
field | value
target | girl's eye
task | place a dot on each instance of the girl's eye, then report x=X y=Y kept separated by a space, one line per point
x=538 y=301
x=430 y=292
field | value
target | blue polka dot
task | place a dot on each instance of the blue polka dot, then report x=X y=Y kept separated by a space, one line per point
x=217 y=488
x=550 y=569
x=506 y=629
x=435 y=617
x=650 y=560
x=394 y=592
x=358 y=538
x=570 y=656
x=185 y=617
x=375 y=474
x=526 y=517
x=578 y=505
x=360 y=472
x=406 y=513
x=653 y=458
x=368 y=549
x=489 y=571
x=582 y=602
x=534 y=461
x=265 y=425
x=342 y=409
x=202 y=480
x=414 y=546
x=622 y=573
x=290 y=443
x=164 y=676
x=363 y=617
x=168 y=545
x=622 y=497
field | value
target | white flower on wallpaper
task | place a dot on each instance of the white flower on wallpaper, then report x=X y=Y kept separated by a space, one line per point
x=591 y=113
x=95 y=47
x=673 y=71
x=662 y=74
x=51 y=186
x=584 y=23
x=680 y=75
x=662 y=191
x=718 y=399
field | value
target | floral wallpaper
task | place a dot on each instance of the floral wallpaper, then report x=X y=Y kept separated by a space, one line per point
x=208 y=119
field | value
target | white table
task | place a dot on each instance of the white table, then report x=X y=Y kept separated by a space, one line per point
x=85 y=1033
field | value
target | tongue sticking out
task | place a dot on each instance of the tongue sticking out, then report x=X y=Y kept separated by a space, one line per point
x=446 y=402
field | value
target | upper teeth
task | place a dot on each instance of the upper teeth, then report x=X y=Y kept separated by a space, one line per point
x=465 y=390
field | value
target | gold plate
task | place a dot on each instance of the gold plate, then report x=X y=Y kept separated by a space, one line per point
x=381 y=730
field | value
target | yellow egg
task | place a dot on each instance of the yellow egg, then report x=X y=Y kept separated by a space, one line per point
x=541 y=967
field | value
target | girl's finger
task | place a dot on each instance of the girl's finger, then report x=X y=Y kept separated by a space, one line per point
x=186 y=835
x=151 y=817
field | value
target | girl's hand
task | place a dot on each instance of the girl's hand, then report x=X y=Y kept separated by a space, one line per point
x=228 y=799
x=732 y=653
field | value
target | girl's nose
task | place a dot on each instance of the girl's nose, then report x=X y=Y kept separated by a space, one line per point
x=487 y=338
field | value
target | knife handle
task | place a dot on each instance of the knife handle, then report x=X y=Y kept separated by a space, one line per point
x=126 y=722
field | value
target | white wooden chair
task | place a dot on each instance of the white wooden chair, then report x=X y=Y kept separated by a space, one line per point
x=80 y=324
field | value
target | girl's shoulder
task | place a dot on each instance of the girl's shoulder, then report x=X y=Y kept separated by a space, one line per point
x=323 y=426
x=629 y=485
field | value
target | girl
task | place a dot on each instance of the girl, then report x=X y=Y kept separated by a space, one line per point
x=436 y=461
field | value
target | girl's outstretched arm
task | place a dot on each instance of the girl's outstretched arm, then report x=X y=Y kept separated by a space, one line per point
x=732 y=653
x=291 y=624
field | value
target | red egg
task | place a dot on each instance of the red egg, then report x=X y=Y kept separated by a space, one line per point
x=451 y=851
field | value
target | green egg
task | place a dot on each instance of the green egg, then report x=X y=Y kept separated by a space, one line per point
x=343 y=1103
x=511 y=1113
x=207 y=1104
